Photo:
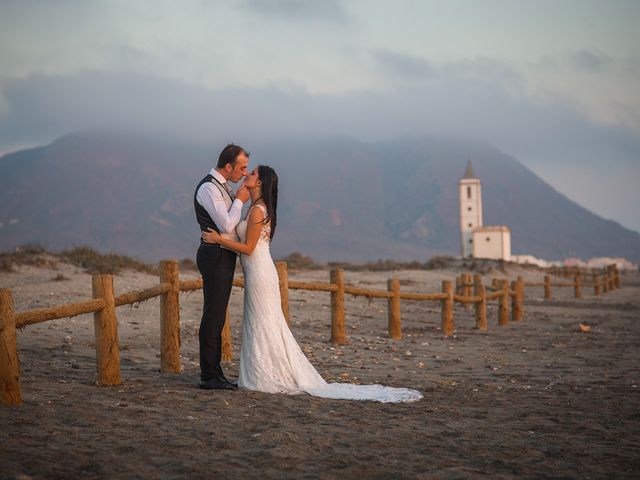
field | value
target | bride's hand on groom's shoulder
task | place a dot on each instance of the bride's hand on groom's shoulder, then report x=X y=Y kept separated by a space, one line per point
x=211 y=236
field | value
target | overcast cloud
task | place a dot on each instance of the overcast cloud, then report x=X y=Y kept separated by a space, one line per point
x=542 y=81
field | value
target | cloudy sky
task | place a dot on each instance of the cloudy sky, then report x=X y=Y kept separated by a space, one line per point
x=554 y=83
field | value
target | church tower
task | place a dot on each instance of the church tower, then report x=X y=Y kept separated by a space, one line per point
x=470 y=209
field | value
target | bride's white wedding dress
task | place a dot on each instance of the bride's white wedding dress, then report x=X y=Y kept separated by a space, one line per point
x=270 y=359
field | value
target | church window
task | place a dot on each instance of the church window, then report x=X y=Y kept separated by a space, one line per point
x=468 y=192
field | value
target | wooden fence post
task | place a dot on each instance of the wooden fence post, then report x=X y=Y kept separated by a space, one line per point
x=395 y=326
x=467 y=288
x=521 y=293
x=547 y=287
x=338 y=335
x=447 y=308
x=227 y=347
x=283 y=280
x=481 y=306
x=106 y=331
x=612 y=276
x=514 y=299
x=577 y=286
x=503 y=308
x=517 y=301
x=10 y=392
x=170 y=318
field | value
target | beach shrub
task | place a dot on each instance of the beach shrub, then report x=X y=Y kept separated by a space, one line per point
x=95 y=262
x=297 y=260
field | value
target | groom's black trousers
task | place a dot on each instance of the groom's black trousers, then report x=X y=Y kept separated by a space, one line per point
x=216 y=266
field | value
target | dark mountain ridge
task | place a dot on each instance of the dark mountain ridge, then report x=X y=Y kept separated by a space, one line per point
x=340 y=199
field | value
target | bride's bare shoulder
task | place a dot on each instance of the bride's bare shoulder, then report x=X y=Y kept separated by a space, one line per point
x=257 y=212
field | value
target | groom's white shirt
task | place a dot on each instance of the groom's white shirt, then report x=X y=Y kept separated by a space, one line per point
x=213 y=201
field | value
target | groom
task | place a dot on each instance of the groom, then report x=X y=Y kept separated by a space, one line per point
x=218 y=208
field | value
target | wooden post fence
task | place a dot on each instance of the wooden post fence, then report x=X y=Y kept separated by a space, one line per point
x=227 y=346
x=338 y=336
x=283 y=280
x=596 y=282
x=447 y=308
x=547 y=287
x=170 y=318
x=481 y=306
x=106 y=331
x=467 y=291
x=10 y=391
x=395 y=328
x=503 y=307
x=517 y=300
x=104 y=303
x=577 y=286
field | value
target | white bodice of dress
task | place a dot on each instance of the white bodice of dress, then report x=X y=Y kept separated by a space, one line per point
x=265 y=234
x=261 y=252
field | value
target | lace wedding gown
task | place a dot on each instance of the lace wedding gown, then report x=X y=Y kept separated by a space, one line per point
x=270 y=358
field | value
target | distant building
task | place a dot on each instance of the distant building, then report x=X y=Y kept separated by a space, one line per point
x=479 y=241
x=531 y=260
x=600 y=262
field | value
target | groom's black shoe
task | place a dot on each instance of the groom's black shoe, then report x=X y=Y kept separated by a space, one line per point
x=217 y=383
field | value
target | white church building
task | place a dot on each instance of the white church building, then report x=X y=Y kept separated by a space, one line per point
x=479 y=241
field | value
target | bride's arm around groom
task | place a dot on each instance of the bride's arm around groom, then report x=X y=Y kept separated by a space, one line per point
x=255 y=222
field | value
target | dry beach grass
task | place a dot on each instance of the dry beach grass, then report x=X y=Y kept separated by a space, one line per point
x=536 y=399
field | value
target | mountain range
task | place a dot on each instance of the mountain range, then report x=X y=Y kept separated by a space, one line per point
x=340 y=198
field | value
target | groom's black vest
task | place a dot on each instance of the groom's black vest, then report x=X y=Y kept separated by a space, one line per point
x=204 y=219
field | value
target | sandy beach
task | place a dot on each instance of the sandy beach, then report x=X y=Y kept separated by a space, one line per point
x=533 y=399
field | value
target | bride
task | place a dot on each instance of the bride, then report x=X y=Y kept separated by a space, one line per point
x=270 y=358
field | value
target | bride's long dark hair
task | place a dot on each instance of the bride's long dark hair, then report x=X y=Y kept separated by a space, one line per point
x=269 y=179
